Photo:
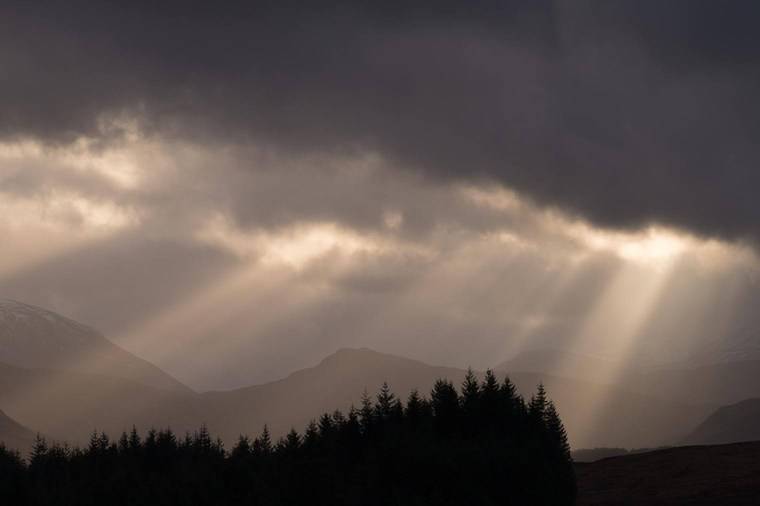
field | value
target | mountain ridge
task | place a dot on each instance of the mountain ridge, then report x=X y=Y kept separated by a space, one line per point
x=733 y=423
x=34 y=337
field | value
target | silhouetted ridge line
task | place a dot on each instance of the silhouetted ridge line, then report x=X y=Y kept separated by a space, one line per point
x=481 y=445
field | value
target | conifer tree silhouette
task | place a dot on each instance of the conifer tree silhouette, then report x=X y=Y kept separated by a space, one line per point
x=242 y=449
x=262 y=445
x=385 y=402
x=39 y=450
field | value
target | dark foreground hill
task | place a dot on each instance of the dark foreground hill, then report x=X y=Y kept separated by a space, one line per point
x=724 y=475
x=729 y=424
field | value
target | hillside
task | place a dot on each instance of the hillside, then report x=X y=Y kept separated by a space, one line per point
x=724 y=475
x=14 y=435
x=33 y=337
x=595 y=415
x=735 y=423
x=69 y=406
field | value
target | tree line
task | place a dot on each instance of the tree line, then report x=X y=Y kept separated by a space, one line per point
x=480 y=445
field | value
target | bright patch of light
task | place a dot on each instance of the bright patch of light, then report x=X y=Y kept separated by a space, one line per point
x=41 y=229
x=64 y=209
x=497 y=198
x=118 y=165
x=294 y=246
x=393 y=220
x=653 y=246
x=297 y=247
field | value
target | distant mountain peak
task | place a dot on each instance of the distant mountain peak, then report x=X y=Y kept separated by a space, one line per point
x=37 y=338
x=17 y=318
x=367 y=356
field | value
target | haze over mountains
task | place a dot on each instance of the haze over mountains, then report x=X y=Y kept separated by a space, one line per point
x=96 y=385
x=33 y=337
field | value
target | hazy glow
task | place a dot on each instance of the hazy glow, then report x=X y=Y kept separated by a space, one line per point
x=652 y=246
x=393 y=263
x=497 y=198
x=295 y=246
x=118 y=165
x=43 y=229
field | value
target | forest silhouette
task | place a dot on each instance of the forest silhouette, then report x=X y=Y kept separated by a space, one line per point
x=481 y=445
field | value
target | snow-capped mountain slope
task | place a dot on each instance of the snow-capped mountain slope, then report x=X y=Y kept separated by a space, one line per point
x=33 y=337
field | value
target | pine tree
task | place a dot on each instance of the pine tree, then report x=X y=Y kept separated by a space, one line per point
x=510 y=400
x=445 y=403
x=104 y=443
x=413 y=405
x=385 y=401
x=202 y=440
x=39 y=450
x=134 y=440
x=537 y=405
x=338 y=418
x=93 y=447
x=326 y=425
x=166 y=441
x=470 y=393
x=367 y=413
x=242 y=449
x=262 y=445
x=556 y=431
x=489 y=401
x=311 y=435
x=123 y=443
x=489 y=387
x=352 y=428
x=560 y=447
x=292 y=441
x=150 y=440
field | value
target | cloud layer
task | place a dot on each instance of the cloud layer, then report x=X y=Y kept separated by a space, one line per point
x=626 y=112
x=228 y=266
x=234 y=191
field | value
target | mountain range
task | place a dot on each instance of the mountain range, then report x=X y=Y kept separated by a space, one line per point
x=91 y=384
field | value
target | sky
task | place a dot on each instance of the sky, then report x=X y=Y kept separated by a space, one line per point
x=235 y=191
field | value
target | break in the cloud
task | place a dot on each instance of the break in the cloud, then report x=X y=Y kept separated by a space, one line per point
x=235 y=191
x=230 y=265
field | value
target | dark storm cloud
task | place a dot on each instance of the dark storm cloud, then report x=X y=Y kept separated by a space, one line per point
x=625 y=112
